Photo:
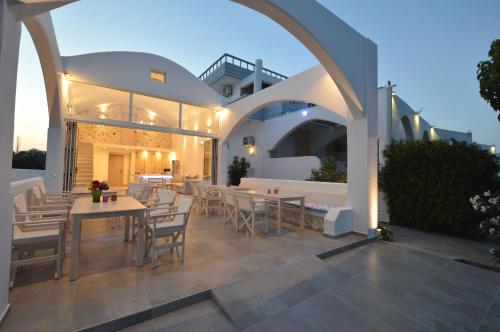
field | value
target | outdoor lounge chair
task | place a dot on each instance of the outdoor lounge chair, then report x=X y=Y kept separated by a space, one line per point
x=169 y=223
x=248 y=209
x=34 y=231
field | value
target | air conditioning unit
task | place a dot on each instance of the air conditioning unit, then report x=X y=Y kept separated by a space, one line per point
x=248 y=141
x=227 y=90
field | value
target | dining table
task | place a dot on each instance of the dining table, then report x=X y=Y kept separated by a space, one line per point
x=125 y=206
x=279 y=198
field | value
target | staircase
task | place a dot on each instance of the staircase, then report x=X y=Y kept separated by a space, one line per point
x=84 y=164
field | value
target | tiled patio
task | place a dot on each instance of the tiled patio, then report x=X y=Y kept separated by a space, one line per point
x=110 y=285
x=376 y=287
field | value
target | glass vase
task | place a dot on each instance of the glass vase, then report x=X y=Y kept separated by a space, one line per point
x=96 y=196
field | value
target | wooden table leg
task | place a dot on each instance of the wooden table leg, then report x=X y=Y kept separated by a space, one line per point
x=140 y=239
x=75 y=248
x=302 y=213
x=278 y=226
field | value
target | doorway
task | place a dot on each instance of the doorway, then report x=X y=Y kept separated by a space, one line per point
x=115 y=170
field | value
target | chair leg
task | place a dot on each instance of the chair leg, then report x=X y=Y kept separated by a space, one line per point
x=253 y=224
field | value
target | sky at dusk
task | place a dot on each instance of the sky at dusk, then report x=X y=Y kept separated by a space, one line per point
x=429 y=48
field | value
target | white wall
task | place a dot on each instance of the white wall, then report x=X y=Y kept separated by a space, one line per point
x=190 y=153
x=21 y=174
x=130 y=71
x=235 y=146
x=293 y=168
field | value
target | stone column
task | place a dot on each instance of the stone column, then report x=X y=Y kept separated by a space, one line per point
x=10 y=36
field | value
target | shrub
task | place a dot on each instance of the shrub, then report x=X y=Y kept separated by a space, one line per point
x=31 y=159
x=428 y=185
x=237 y=170
x=327 y=172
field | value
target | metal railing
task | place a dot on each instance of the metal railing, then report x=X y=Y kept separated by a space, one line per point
x=240 y=63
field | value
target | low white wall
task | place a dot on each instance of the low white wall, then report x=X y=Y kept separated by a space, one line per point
x=292 y=168
x=329 y=194
x=24 y=186
x=22 y=174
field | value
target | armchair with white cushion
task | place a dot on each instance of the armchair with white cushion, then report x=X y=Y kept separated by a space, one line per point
x=34 y=232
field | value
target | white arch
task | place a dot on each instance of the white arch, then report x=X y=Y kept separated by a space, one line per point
x=313 y=85
x=280 y=127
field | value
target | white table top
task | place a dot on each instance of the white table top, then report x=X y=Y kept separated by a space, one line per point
x=84 y=205
x=85 y=190
x=288 y=195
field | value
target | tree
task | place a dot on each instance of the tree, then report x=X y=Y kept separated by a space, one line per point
x=31 y=159
x=488 y=75
x=237 y=170
x=328 y=172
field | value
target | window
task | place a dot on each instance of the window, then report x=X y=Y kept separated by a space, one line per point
x=158 y=76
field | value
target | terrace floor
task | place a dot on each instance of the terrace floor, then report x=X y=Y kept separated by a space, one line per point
x=377 y=287
x=110 y=285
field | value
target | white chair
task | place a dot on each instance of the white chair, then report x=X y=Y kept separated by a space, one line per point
x=134 y=189
x=38 y=230
x=209 y=199
x=164 y=198
x=169 y=223
x=248 y=209
x=65 y=194
x=229 y=207
x=37 y=198
x=196 y=198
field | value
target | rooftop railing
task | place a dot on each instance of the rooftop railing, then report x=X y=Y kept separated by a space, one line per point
x=240 y=63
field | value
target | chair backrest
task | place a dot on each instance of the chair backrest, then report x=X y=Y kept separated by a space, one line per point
x=166 y=196
x=146 y=191
x=228 y=197
x=244 y=201
x=202 y=191
x=42 y=188
x=35 y=195
x=184 y=206
x=20 y=206
x=135 y=188
x=196 y=192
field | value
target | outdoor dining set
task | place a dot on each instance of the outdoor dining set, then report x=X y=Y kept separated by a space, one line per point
x=154 y=217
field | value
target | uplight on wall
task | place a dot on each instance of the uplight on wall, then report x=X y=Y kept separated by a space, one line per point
x=144 y=154
x=158 y=154
x=251 y=150
x=173 y=156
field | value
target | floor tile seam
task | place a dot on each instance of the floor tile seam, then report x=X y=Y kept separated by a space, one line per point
x=423 y=282
x=487 y=311
x=429 y=252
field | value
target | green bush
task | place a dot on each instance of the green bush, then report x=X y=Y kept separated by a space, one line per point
x=237 y=169
x=31 y=159
x=427 y=185
x=328 y=172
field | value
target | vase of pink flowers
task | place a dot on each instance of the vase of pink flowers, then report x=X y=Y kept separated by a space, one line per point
x=97 y=188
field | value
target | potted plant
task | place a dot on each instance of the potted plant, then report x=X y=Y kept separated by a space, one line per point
x=237 y=170
x=97 y=188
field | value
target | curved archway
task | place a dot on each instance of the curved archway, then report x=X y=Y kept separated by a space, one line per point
x=426 y=136
x=405 y=130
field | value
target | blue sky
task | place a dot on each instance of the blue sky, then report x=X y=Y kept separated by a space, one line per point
x=428 y=48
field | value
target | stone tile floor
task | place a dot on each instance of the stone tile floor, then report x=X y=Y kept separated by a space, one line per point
x=444 y=246
x=377 y=287
x=110 y=285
